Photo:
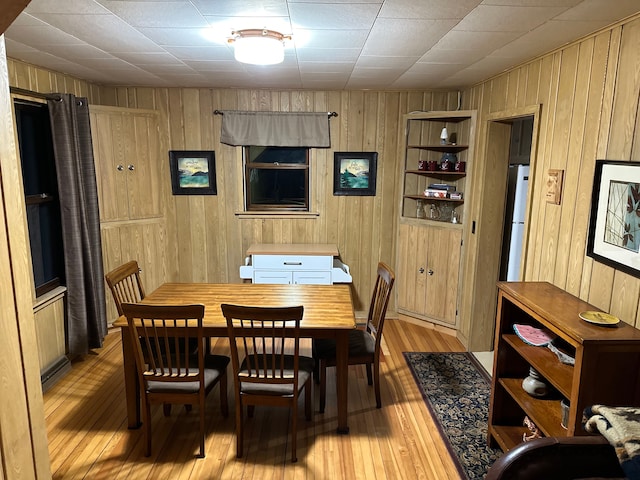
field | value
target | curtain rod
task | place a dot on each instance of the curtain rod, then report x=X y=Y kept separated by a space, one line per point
x=330 y=114
x=30 y=93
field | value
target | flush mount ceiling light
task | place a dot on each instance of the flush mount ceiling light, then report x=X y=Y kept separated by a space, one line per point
x=258 y=46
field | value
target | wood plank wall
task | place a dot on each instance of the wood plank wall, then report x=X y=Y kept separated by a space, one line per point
x=23 y=439
x=588 y=92
x=211 y=239
x=207 y=239
x=584 y=91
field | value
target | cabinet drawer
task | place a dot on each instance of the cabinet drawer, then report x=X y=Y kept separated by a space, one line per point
x=270 y=276
x=293 y=262
x=312 y=278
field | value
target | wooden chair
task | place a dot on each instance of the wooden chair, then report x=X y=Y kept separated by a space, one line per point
x=364 y=345
x=168 y=370
x=125 y=284
x=267 y=375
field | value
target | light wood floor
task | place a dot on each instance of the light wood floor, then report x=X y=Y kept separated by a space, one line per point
x=88 y=435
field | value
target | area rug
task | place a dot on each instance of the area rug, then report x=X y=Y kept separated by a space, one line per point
x=456 y=390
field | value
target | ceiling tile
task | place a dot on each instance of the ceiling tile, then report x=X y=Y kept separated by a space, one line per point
x=156 y=14
x=325 y=16
x=489 y=18
x=340 y=44
x=427 y=9
x=407 y=38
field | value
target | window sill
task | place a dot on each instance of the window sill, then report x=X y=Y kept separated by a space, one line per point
x=276 y=215
x=48 y=298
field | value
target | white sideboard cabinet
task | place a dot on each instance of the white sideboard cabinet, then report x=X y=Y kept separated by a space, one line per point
x=294 y=263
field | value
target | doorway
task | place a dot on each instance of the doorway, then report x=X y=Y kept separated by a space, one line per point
x=485 y=242
x=515 y=220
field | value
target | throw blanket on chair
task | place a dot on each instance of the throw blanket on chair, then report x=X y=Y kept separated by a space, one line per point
x=621 y=426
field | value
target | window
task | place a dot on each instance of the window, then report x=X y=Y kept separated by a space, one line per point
x=276 y=178
x=41 y=194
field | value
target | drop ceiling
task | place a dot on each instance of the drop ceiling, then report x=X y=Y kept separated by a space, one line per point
x=336 y=44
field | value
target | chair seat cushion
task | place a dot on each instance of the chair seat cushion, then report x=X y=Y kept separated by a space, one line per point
x=215 y=367
x=361 y=343
x=305 y=367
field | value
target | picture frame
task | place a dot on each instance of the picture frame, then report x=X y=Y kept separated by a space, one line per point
x=614 y=225
x=193 y=172
x=354 y=173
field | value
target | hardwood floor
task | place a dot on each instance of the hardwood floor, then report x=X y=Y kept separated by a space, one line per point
x=88 y=435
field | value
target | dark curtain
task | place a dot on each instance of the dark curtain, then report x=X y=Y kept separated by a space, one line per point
x=86 y=314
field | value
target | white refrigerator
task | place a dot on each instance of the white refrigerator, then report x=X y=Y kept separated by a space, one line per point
x=517 y=223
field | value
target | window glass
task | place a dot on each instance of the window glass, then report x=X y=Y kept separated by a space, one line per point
x=276 y=178
x=41 y=195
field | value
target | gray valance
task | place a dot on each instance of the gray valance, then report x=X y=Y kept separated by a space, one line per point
x=275 y=129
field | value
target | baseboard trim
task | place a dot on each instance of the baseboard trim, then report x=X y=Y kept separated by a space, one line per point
x=50 y=376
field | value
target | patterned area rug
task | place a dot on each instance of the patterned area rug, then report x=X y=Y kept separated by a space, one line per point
x=456 y=389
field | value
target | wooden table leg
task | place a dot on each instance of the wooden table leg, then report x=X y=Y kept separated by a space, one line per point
x=342 y=379
x=131 y=387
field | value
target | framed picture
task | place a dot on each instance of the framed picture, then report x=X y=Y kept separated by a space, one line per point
x=193 y=172
x=614 y=227
x=354 y=173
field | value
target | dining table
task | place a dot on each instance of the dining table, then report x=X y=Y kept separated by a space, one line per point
x=328 y=313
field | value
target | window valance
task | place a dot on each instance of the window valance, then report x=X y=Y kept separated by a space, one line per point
x=281 y=129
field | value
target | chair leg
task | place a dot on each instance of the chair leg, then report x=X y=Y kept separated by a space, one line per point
x=307 y=399
x=239 y=428
x=147 y=427
x=323 y=385
x=294 y=428
x=369 y=376
x=201 y=425
x=376 y=372
x=316 y=370
x=224 y=401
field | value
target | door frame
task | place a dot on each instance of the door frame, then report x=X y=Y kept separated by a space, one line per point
x=484 y=239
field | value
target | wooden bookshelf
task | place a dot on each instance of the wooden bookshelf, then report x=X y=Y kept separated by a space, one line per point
x=606 y=363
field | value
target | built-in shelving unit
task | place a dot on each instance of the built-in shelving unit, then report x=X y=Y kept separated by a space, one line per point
x=424 y=146
x=430 y=229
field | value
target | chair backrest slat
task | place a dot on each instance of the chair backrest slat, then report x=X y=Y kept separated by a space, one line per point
x=380 y=301
x=262 y=334
x=125 y=284
x=163 y=336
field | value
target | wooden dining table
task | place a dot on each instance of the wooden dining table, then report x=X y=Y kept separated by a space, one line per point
x=328 y=313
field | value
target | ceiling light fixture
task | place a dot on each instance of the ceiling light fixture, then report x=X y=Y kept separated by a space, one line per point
x=258 y=46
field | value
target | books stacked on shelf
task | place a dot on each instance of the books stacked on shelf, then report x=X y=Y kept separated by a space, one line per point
x=442 y=190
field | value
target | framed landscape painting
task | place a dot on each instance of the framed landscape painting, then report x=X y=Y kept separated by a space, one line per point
x=354 y=173
x=614 y=227
x=193 y=172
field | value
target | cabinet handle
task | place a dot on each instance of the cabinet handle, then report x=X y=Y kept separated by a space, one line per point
x=120 y=168
x=292 y=263
x=429 y=272
x=131 y=168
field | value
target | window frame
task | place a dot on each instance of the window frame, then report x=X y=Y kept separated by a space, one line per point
x=248 y=166
x=41 y=198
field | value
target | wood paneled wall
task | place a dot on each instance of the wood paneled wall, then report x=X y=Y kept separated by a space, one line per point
x=211 y=239
x=207 y=238
x=588 y=92
x=23 y=439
